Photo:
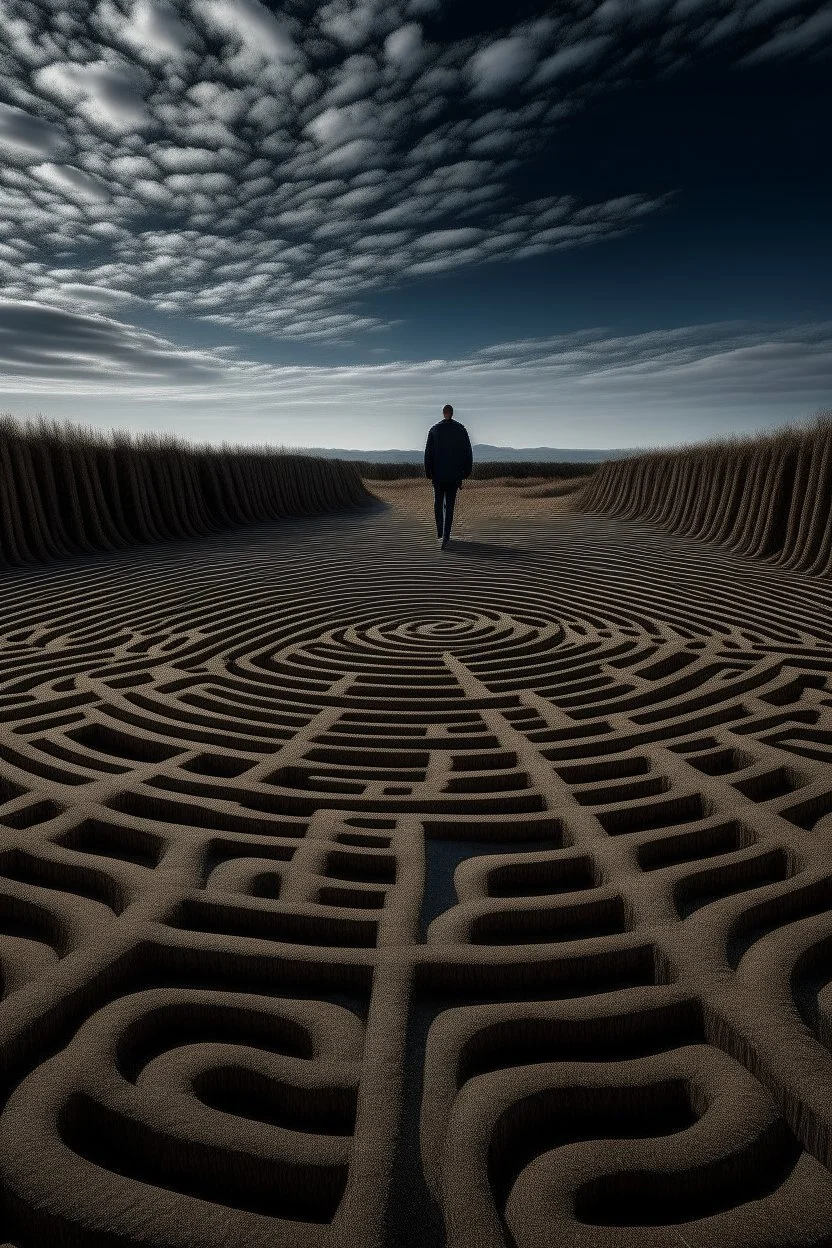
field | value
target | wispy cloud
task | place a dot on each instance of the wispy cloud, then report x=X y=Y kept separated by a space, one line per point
x=590 y=387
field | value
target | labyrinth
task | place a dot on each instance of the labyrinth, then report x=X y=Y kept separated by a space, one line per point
x=358 y=895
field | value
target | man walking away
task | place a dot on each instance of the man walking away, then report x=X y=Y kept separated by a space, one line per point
x=448 y=461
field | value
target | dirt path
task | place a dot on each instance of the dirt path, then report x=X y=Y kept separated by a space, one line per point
x=481 y=501
x=353 y=893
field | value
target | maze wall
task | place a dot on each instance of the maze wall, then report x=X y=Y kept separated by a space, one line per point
x=357 y=894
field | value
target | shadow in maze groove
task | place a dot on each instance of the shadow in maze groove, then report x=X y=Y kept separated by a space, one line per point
x=442 y=857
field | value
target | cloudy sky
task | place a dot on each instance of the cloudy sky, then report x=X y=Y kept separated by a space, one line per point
x=597 y=223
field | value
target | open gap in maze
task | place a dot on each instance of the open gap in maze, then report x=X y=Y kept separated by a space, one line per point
x=362 y=867
x=274 y=925
x=29 y=816
x=757 y=724
x=807 y=743
x=793 y=690
x=444 y=854
x=31 y=921
x=161 y=810
x=65 y=877
x=9 y=791
x=612 y=769
x=370 y=821
x=669 y=1198
x=131 y=681
x=431 y=681
x=357 y=898
x=467 y=806
x=345 y=780
x=58 y=750
x=239 y=709
x=114 y=840
x=186 y=730
x=265 y=884
x=500 y=760
x=655 y=815
x=307 y=781
x=222 y=849
x=52 y=705
x=526 y=1040
x=542 y=878
x=629 y=791
x=603 y=916
x=363 y=842
x=187 y=722
x=173 y=1024
x=160 y=965
x=221 y=765
x=729 y=878
x=572 y=696
x=32 y=764
x=721 y=762
x=355 y=725
x=355 y=756
x=599 y=728
x=487 y=782
x=771 y=784
x=807 y=814
x=707 y=842
x=725 y=714
x=48 y=723
x=666 y=666
x=303 y=1192
x=694 y=746
x=812 y=973
x=766 y=916
x=249 y=1094
x=558 y=1117
x=106 y=740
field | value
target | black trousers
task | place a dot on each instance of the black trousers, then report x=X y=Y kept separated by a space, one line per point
x=444 y=497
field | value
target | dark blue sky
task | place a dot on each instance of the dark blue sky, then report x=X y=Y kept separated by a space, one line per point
x=316 y=223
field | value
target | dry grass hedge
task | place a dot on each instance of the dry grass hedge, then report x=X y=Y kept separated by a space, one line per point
x=767 y=497
x=65 y=490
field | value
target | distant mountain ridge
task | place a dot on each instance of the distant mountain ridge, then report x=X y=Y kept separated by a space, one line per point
x=482 y=452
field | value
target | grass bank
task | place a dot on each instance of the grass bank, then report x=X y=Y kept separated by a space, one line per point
x=766 y=497
x=66 y=490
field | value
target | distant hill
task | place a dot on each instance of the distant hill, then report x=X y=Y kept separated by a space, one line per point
x=482 y=452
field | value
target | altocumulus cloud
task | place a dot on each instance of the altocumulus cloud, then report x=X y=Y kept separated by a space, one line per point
x=215 y=159
x=53 y=351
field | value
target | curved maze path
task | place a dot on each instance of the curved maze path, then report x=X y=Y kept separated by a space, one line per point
x=342 y=881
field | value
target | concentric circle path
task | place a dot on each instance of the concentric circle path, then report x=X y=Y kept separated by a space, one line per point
x=357 y=894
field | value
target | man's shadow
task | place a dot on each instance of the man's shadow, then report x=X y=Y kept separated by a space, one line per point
x=487 y=550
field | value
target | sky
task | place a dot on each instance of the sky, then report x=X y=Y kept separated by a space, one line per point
x=596 y=223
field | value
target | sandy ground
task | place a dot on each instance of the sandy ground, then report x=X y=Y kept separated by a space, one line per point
x=354 y=894
x=502 y=498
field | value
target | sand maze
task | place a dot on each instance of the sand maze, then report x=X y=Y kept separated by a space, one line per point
x=354 y=894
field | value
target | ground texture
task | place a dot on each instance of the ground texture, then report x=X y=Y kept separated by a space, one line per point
x=357 y=894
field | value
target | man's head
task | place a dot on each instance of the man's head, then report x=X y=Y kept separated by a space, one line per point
x=447 y=411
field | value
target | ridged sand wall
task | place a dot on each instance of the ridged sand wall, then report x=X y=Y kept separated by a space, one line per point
x=767 y=497
x=66 y=491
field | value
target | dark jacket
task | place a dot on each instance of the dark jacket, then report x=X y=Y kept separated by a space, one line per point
x=448 y=454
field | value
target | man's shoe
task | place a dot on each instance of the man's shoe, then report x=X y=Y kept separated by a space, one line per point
x=445 y=541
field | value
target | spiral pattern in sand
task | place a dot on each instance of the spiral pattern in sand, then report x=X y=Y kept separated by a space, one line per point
x=354 y=894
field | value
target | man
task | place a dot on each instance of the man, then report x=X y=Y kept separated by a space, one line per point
x=448 y=461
